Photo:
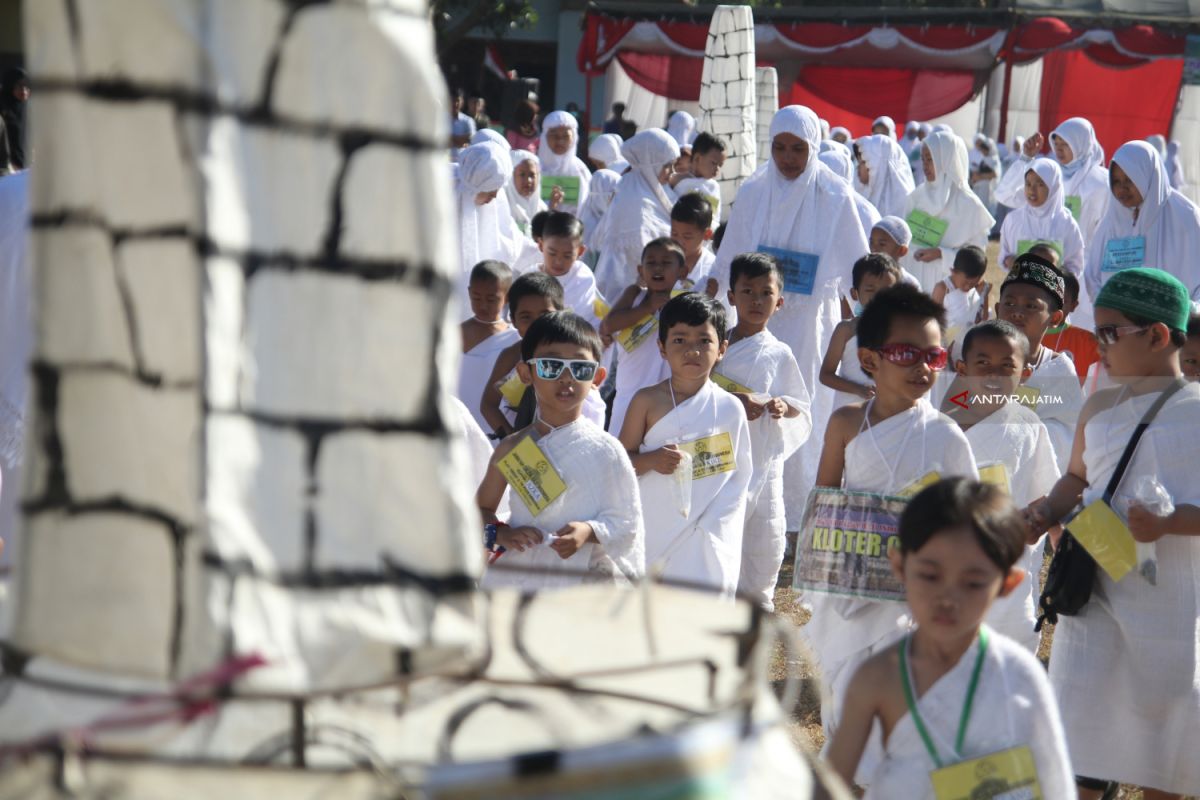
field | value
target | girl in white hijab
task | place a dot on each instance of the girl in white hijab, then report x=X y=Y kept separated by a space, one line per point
x=884 y=174
x=1085 y=180
x=640 y=210
x=600 y=196
x=524 y=191
x=796 y=206
x=486 y=229
x=1045 y=218
x=682 y=127
x=884 y=126
x=837 y=157
x=556 y=151
x=605 y=153
x=943 y=213
x=1147 y=224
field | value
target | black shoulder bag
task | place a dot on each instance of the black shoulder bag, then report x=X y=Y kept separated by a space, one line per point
x=1072 y=571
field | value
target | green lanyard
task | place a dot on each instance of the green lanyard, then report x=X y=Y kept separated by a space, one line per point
x=964 y=720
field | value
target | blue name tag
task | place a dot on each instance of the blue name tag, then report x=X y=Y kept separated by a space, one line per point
x=799 y=269
x=1124 y=253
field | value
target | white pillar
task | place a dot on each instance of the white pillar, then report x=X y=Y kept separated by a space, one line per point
x=766 y=90
x=727 y=95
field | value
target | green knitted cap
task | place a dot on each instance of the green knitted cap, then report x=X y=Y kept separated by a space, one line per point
x=1150 y=294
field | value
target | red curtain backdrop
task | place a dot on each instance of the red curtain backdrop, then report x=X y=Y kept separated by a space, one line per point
x=1123 y=104
x=676 y=77
x=852 y=97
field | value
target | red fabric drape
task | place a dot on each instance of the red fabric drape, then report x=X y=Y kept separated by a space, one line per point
x=692 y=35
x=676 y=77
x=853 y=96
x=821 y=34
x=1122 y=104
x=600 y=36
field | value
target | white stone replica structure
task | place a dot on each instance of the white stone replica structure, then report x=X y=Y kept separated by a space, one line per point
x=766 y=93
x=727 y=95
x=249 y=553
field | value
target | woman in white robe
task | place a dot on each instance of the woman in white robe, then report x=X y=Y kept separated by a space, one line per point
x=640 y=210
x=1147 y=224
x=837 y=158
x=600 y=196
x=1049 y=222
x=565 y=164
x=796 y=204
x=946 y=198
x=486 y=229
x=888 y=181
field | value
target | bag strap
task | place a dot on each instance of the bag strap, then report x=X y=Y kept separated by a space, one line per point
x=1127 y=456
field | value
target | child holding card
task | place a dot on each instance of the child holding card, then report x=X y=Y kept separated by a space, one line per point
x=760 y=371
x=956 y=704
x=893 y=444
x=1128 y=660
x=690 y=445
x=1011 y=448
x=576 y=515
x=561 y=168
x=1044 y=217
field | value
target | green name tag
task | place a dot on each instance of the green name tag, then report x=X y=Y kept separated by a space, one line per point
x=569 y=184
x=927 y=230
x=1074 y=204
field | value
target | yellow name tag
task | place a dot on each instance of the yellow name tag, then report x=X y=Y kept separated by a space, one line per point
x=711 y=455
x=512 y=389
x=997 y=475
x=1007 y=775
x=600 y=308
x=1029 y=397
x=531 y=475
x=728 y=384
x=632 y=337
x=928 y=479
x=1104 y=535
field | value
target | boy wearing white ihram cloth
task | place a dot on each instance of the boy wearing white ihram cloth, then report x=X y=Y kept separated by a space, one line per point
x=893 y=444
x=689 y=442
x=799 y=211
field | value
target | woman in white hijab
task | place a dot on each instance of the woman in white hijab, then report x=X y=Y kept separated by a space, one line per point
x=600 y=196
x=524 y=191
x=1045 y=219
x=884 y=126
x=486 y=229
x=943 y=213
x=837 y=157
x=556 y=151
x=884 y=174
x=640 y=210
x=1085 y=180
x=985 y=170
x=682 y=127
x=795 y=207
x=1147 y=224
x=605 y=153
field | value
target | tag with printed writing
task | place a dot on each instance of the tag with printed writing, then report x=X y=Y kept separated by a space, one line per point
x=799 y=269
x=927 y=230
x=1124 y=253
x=928 y=479
x=711 y=455
x=1008 y=775
x=1103 y=534
x=997 y=475
x=531 y=475
x=633 y=336
x=569 y=184
x=512 y=389
x=728 y=384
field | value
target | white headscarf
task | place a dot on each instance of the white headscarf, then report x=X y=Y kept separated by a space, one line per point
x=942 y=127
x=600 y=196
x=682 y=126
x=524 y=209
x=888 y=123
x=606 y=148
x=924 y=129
x=1175 y=166
x=1169 y=221
x=1086 y=151
x=836 y=156
x=485 y=231
x=1049 y=222
x=890 y=179
x=1159 y=143
x=488 y=135
x=640 y=210
x=1047 y=169
x=839 y=129
x=568 y=164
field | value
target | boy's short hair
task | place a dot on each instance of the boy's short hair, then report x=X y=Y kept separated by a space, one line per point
x=718 y=236
x=901 y=300
x=535 y=284
x=1193 y=328
x=691 y=308
x=706 y=143
x=971 y=261
x=1070 y=286
x=693 y=209
x=958 y=502
x=1178 y=338
x=754 y=265
x=1047 y=252
x=877 y=264
x=562 y=224
x=491 y=270
x=537 y=225
x=996 y=329
x=668 y=244
x=560 y=327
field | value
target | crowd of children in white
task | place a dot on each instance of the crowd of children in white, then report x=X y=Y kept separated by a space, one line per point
x=647 y=399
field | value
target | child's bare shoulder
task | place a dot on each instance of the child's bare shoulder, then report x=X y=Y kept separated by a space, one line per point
x=654 y=401
x=848 y=417
x=507 y=444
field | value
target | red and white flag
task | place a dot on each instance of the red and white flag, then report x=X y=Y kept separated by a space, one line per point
x=495 y=64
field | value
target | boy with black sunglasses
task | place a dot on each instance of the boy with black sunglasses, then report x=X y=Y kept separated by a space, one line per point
x=576 y=513
x=895 y=443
